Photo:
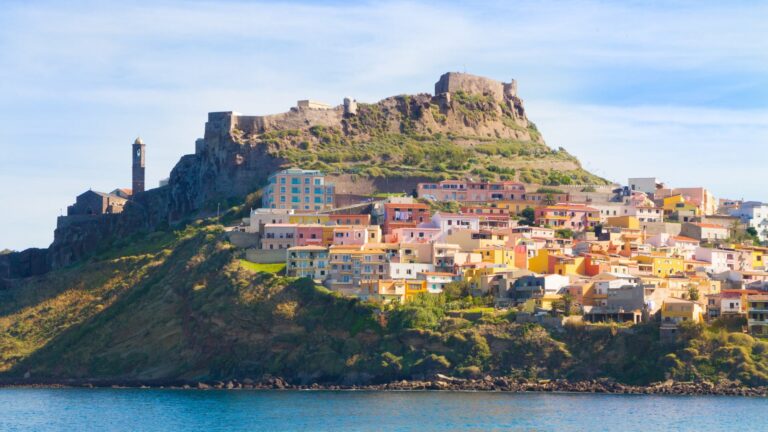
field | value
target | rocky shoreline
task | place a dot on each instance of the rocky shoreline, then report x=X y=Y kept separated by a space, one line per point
x=437 y=383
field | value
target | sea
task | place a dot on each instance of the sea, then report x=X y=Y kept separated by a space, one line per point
x=34 y=409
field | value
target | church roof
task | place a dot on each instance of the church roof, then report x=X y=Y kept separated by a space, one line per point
x=139 y=141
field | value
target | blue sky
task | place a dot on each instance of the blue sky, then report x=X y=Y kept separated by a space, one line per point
x=676 y=90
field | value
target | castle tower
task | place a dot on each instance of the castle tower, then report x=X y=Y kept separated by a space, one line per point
x=138 y=166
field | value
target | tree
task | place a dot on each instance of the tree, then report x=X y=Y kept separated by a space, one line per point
x=456 y=290
x=564 y=233
x=529 y=216
x=549 y=199
x=693 y=293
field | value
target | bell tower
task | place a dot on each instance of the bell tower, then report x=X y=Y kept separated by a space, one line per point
x=138 y=166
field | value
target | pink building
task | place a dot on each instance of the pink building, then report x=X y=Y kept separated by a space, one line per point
x=576 y=217
x=356 y=235
x=309 y=235
x=414 y=235
x=698 y=196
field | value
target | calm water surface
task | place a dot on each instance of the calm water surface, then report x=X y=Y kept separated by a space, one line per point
x=190 y=410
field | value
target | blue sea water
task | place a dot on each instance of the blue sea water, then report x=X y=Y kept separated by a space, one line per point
x=219 y=410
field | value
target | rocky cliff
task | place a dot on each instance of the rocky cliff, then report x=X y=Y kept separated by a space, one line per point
x=471 y=126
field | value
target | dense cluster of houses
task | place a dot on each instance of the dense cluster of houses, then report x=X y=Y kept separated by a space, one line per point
x=628 y=254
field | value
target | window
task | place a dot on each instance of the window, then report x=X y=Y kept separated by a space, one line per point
x=295 y=190
x=318 y=191
x=282 y=180
x=295 y=181
x=318 y=181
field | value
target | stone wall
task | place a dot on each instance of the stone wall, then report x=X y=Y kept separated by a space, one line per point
x=266 y=256
x=452 y=81
x=243 y=239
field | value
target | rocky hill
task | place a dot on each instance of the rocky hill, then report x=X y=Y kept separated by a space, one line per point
x=472 y=127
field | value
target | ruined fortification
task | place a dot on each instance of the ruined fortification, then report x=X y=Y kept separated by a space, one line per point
x=452 y=82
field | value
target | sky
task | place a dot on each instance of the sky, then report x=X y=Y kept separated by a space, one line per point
x=674 y=90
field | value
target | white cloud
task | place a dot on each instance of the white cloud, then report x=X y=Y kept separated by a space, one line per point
x=722 y=149
x=80 y=80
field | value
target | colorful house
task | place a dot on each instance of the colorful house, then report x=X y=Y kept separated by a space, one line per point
x=307 y=261
x=660 y=265
x=404 y=215
x=757 y=314
x=675 y=310
x=576 y=217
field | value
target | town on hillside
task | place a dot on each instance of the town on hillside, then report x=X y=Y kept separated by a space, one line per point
x=635 y=253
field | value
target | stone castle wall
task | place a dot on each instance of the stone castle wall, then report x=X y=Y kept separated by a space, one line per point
x=452 y=81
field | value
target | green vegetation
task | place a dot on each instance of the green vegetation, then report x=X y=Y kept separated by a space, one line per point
x=715 y=354
x=183 y=305
x=397 y=138
x=528 y=216
x=263 y=268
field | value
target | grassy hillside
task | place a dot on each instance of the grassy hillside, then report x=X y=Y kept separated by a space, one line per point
x=182 y=306
x=415 y=136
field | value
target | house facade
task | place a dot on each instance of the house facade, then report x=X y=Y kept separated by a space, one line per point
x=298 y=189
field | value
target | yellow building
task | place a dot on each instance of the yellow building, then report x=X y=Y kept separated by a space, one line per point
x=678 y=310
x=308 y=218
x=481 y=277
x=397 y=290
x=671 y=202
x=677 y=204
x=759 y=256
x=547 y=301
x=497 y=255
x=539 y=263
x=351 y=265
x=569 y=265
x=662 y=266
x=629 y=222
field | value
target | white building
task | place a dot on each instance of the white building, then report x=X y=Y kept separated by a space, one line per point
x=407 y=270
x=436 y=281
x=755 y=215
x=261 y=216
x=643 y=184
